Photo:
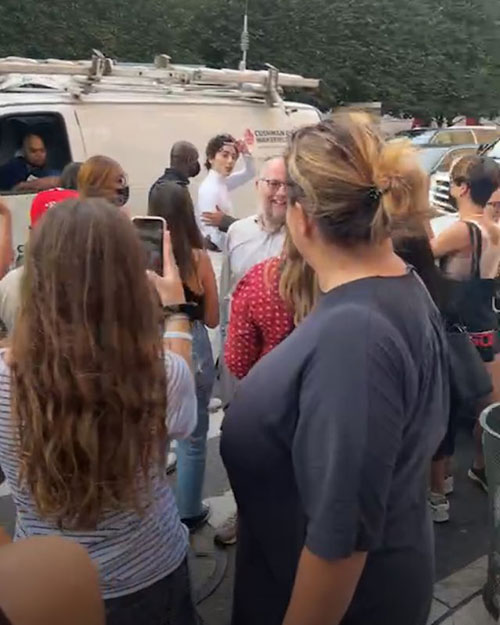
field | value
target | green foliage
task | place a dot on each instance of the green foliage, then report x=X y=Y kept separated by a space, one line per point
x=427 y=58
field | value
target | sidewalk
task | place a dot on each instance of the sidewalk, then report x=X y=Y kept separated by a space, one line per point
x=457 y=599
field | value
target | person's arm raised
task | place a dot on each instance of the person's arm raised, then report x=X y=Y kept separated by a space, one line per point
x=177 y=337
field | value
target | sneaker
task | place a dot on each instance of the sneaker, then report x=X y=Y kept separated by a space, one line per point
x=227 y=533
x=215 y=404
x=195 y=523
x=440 y=508
x=449 y=485
x=171 y=462
x=478 y=476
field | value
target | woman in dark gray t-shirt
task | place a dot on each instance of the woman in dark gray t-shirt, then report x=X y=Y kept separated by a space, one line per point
x=328 y=440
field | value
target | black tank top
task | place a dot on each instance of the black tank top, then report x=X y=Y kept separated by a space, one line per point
x=195 y=298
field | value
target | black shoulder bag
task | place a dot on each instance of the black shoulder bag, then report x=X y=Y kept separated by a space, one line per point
x=468 y=308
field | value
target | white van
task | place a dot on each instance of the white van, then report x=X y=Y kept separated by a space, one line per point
x=134 y=114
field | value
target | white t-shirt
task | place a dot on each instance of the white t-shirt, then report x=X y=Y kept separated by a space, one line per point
x=247 y=245
x=214 y=192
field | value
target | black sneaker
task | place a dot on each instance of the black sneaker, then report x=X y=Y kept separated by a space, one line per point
x=478 y=476
x=195 y=523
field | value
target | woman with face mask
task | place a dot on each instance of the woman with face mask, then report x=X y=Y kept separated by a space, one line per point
x=101 y=176
x=215 y=209
x=474 y=240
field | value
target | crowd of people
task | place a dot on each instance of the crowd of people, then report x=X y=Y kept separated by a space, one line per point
x=334 y=308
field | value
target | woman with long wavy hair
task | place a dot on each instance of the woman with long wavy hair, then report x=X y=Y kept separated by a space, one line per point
x=90 y=396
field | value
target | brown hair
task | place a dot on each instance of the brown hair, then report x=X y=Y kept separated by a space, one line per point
x=216 y=144
x=482 y=176
x=88 y=378
x=100 y=176
x=351 y=182
x=173 y=202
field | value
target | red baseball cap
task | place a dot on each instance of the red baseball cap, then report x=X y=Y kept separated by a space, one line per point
x=46 y=199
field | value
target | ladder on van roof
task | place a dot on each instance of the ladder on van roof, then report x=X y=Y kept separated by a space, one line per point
x=102 y=73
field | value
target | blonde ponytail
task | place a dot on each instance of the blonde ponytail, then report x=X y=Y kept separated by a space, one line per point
x=352 y=183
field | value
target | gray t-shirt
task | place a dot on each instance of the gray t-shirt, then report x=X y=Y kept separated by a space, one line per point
x=327 y=445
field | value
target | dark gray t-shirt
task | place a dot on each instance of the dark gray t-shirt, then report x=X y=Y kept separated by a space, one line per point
x=327 y=444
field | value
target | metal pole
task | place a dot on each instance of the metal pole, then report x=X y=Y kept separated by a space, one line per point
x=245 y=40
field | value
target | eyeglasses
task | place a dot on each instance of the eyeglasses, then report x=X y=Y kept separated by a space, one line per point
x=275 y=185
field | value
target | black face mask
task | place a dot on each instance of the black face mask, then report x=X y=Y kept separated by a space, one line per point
x=122 y=196
x=194 y=169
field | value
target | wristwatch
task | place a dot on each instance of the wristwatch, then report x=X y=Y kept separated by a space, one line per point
x=187 y=308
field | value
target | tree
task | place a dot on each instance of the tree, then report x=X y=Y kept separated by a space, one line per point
x=429 y=58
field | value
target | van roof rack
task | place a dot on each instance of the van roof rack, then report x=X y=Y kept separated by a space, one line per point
x=102 y=73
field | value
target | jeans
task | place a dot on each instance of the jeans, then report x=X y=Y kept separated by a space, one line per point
x=168 y=602
x=191 y=453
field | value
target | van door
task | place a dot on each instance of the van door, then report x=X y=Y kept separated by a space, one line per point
x=58 y=127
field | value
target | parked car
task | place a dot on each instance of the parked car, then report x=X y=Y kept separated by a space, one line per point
x=436 y=158
x=452 y=135
x=440 y=182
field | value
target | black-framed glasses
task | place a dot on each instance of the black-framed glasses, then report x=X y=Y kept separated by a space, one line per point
x=275 y=185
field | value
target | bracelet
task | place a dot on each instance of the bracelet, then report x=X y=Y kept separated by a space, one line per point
x=177 y=317
x=169 y=334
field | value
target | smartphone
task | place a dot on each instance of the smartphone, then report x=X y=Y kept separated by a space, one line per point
x=151 y=231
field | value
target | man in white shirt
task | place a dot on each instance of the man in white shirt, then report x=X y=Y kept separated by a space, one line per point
x=223 y=152
x=256 y=238
x=251 y=241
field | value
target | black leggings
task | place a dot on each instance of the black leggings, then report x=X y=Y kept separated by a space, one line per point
x=168 y=602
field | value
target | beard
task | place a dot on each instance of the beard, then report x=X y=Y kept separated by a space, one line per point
x=272 y=222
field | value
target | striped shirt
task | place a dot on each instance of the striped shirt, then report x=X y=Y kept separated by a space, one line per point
x=131 y=552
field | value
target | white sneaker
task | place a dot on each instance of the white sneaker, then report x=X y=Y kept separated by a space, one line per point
x=171 y=462
x=440 y=508
x=449 y=485
x=214 y=404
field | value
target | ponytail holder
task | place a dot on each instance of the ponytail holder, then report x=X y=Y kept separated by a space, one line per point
x=374 y=195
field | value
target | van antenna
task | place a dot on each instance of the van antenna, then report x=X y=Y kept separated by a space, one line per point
x=245 y=40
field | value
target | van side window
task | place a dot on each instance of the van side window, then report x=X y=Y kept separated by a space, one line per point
x=34 y=149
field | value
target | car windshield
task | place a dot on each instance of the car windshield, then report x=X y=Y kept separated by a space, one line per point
x=430 y=157
x=494 y=151
x=423 y=137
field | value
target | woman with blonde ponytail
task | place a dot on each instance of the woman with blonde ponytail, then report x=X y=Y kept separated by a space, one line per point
x=329 y=438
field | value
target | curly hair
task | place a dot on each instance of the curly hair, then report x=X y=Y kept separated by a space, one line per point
x=216 y=144
x=88 y=375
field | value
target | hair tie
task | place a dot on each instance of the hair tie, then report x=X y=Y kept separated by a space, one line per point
x=374 y=195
